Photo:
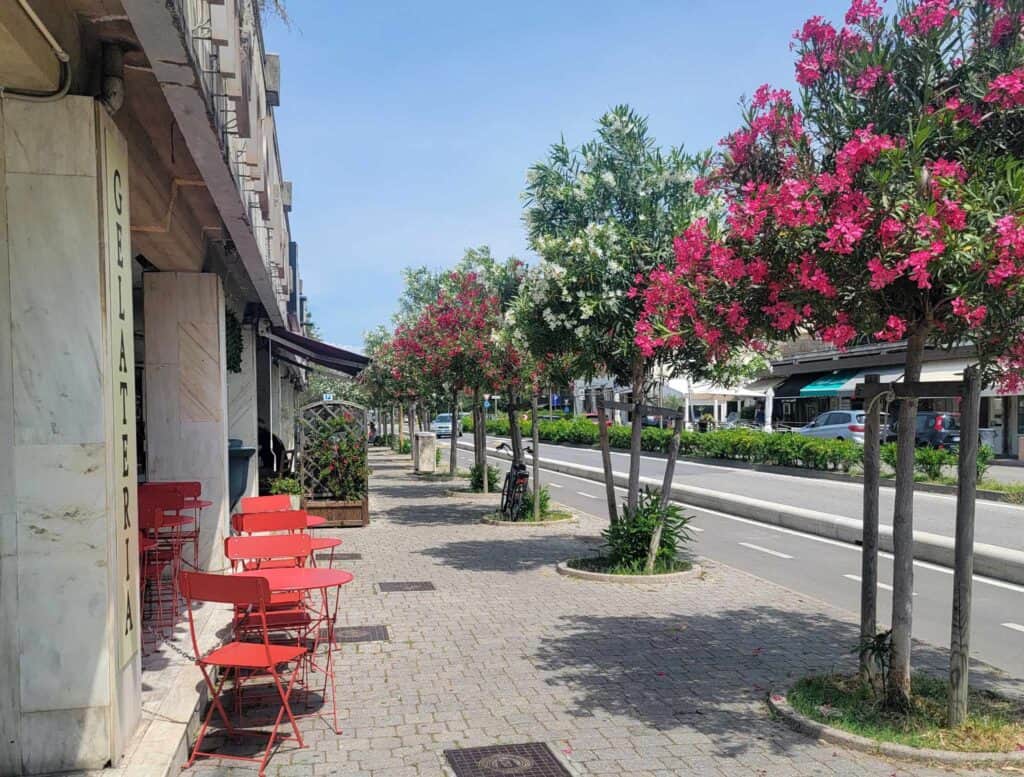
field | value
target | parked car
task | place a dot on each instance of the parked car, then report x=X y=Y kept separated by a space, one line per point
x=938 y=430
x=844 y=425
x=442 y=425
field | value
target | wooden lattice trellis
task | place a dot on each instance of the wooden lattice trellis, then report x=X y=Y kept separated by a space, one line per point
x=316 y=419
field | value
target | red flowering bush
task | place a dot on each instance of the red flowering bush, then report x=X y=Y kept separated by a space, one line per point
x=336 y=461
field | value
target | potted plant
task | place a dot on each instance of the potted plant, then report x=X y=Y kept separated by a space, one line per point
x=706 y=422
x=335 y=472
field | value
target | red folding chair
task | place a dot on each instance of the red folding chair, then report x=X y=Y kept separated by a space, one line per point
x=160 y=591
x=293 y=521
x=265 y=504
x=268 y=551
x=235 y=658
x=189 y=510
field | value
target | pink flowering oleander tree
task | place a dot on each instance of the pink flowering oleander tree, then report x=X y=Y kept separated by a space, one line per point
x=889 y=203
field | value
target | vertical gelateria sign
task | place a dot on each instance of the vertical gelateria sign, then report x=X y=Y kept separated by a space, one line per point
x=117 y=258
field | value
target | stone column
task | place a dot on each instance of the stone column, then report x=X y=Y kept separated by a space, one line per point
x=186 y=395
x=243 y=421
x=69 y=642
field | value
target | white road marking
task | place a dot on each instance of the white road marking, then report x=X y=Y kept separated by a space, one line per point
x=857 y=579
x=827 y=541
x=691 y=527
x=553 y=485
x=1014 y=626
x=589 y=496
x=752 y=546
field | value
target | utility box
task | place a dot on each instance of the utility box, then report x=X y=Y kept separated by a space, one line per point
x=425 y=448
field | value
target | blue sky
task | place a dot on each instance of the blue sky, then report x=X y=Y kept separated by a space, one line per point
x=407 y=127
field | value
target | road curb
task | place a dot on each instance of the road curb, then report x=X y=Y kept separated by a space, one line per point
x=781 y=708
x=989 y=560
x=563 y=568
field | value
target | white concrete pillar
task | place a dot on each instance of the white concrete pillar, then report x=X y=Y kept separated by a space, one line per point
x=186 y=394
x=686 y=409
x=243 y=421
x=69 y=630
x=769 y=400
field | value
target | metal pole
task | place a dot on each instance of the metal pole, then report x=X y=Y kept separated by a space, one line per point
x=963 y=553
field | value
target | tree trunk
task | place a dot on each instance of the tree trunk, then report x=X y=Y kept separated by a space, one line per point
x=963 y=553
x=412 y=430
x=399 y=411
x=453 y=452
x=514 y=431
x=869 y=548
x=535 y=432
x=480 y=438
x=606 y=459
x=898 y=695
x=666 y=495
x=633 y=487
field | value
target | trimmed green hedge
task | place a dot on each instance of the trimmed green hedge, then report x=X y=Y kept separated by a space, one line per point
x=750 y=445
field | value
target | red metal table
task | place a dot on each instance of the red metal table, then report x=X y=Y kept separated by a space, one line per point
x=312 y=521
x=312 y=579
x=324 y=543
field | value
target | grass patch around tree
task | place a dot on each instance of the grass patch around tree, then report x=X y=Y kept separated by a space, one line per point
x=607 y=566
x=994 y=723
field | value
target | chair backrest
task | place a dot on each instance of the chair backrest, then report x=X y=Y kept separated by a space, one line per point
x=190 y=489
x=265 y=504
x=281 y=520
x=153 y=502
x=296 y=547
x=225 y=589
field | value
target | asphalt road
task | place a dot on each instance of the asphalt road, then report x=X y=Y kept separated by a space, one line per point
x=997 y=523
x=815 y=566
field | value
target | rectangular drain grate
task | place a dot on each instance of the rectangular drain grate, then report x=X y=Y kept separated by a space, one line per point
x=339 y=556
x=531 y=759
x=349 y=634
x=415 y=586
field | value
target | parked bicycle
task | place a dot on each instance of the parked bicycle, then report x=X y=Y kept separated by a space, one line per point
x=514 y=491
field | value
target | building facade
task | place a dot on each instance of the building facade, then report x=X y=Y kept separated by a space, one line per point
x=149 y=285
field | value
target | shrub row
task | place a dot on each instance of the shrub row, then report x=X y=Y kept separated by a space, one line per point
x=750 y=445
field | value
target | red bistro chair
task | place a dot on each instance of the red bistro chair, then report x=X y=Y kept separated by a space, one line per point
x=160 y=591
x=269 y=551
x=265 y=504
x=189 y=510
x=293 y=521
x=234 y=658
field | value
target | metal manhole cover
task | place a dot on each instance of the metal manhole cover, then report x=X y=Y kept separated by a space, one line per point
x=348 y=556
x=347 y=634
x=531 y=759
x=412 y=586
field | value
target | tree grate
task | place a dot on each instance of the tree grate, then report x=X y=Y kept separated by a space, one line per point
x=352 y=634
x=411 y=586
x=531 y=759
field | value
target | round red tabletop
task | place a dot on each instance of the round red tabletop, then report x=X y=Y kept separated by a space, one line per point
x=301 y=578
x=323 y=543
x=315 y=520
x=192 y=503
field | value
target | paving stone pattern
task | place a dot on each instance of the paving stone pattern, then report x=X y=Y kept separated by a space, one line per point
x=618 y=679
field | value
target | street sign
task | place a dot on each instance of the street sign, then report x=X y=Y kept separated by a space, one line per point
x=487 y=404
x=555 y=400
x=328 y=397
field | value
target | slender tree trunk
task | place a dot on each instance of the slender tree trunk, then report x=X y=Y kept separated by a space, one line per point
x=898 y=695
x=412 y=429
x=666 y=495
x=869 y=548
x=399 y=412
x=963 y=564
x=606 y=460
x=480 y=437
x=514 y=431
x=633 y=492
x=535 y=432
x=453 y=453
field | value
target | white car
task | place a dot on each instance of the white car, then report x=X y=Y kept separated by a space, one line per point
x=842 y=425
x=442 y=425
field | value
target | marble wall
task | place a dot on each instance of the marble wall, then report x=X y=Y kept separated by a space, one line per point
x=187 y=394
x=56 y=518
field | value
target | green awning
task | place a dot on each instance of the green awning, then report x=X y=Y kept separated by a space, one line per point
x=828 y=385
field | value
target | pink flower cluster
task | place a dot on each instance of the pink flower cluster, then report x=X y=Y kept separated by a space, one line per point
x=1007 y=90
x=840 y=333
x=974 y=316
x=862 y=11
x=1009 y=251
x=927 y=16
x=895 y=329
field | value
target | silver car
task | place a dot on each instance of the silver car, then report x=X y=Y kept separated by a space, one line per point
x=442 y=425
x=842 y=425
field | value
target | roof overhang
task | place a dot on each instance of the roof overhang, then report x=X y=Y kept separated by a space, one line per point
x=318 y=352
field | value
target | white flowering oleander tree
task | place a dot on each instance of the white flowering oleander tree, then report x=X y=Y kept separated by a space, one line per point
x=600 y=216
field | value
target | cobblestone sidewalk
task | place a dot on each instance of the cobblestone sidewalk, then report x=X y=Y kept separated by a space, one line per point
x=617 y=679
